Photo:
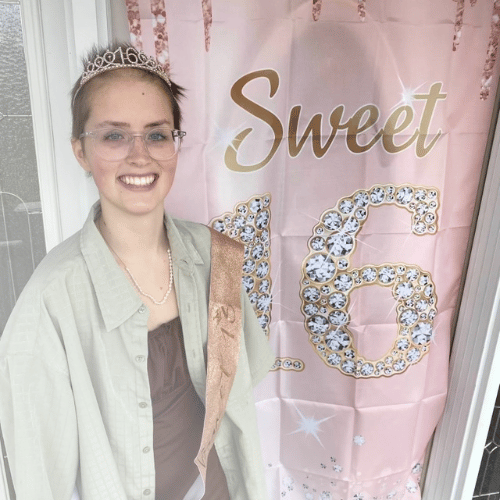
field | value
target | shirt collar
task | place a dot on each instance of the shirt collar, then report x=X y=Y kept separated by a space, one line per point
x=116 y=297
x=184 y=253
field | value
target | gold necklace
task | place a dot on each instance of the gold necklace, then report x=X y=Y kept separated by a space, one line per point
x=139 y=289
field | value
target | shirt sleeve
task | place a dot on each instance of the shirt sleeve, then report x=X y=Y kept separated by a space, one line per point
x=37 y=411
x=260 y=355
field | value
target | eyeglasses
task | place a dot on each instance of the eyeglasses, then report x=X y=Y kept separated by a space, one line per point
x=115 y=144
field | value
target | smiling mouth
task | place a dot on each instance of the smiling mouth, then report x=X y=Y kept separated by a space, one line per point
x=145 y=180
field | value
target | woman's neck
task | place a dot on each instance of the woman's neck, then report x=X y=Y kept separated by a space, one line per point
x=136 y=236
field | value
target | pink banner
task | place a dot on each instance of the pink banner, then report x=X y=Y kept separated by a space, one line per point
x=342 y=142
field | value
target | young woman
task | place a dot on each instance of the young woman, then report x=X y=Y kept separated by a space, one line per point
x=109 y=377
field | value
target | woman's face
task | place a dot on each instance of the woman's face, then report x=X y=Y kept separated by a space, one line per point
x=138 y=184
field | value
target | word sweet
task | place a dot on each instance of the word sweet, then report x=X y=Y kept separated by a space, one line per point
x=364 y=118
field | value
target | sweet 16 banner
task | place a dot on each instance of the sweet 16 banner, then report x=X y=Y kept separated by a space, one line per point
x=341 y=141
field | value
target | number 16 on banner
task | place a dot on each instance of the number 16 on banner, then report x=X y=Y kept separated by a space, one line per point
x=328 y=281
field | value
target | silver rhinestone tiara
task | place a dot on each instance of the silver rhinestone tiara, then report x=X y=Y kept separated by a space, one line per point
x=122 y=58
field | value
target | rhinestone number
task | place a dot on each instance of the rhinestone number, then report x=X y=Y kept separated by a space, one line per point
x=250 y=224
x=328 y=281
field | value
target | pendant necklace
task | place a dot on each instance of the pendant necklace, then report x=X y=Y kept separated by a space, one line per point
x=139 y=289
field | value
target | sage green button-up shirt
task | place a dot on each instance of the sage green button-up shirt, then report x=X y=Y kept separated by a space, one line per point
x=75 y=404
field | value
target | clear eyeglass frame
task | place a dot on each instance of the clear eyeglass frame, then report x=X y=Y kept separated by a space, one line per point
x=118 y=149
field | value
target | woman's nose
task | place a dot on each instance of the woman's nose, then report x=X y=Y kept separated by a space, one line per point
x=138 y=147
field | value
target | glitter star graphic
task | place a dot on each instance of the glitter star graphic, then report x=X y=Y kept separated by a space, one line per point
x=224 y=136
x=309 y=425
x=359 y=440
x=411 y=487
x=407 y=95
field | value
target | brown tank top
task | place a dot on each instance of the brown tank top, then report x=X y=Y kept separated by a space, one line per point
x=178 y=415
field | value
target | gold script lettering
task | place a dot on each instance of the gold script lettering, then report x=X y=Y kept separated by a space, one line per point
x=254 y=109
x=392 y=128
x=355 y=127
x=364 y=118
x=430 y=105
x=314 y=127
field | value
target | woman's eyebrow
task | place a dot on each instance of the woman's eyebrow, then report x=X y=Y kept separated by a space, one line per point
x=159 y=123
x=111 y=123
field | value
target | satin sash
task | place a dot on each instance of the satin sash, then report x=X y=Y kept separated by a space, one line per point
x=224 y=333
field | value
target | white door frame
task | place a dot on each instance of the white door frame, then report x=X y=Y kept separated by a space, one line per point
x=58 y=32
x=474 y=377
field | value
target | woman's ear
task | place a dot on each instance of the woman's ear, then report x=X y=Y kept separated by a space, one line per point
x=79 y=153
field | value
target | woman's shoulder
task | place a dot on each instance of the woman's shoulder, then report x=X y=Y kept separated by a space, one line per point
x=200 y=233
x=59 y=272
x=193 y=238
x=194 y=230
x=64 y=259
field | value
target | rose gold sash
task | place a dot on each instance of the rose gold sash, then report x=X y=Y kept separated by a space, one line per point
x=224 y=332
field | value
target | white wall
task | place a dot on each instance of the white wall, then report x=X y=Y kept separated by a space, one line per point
x=475 y=363
x=57 y=34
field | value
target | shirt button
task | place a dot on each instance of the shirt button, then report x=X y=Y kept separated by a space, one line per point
x=142 y=310
x=147 y=492
x=140 y=358
x=147 y=449
x=143 y=405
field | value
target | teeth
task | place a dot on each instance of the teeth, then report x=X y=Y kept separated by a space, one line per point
x=138 y=181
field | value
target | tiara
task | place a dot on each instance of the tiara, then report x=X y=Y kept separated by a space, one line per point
x=122 y=58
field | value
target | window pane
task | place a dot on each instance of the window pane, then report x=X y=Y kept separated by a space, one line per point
x=22 y=243
x=488 y=480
